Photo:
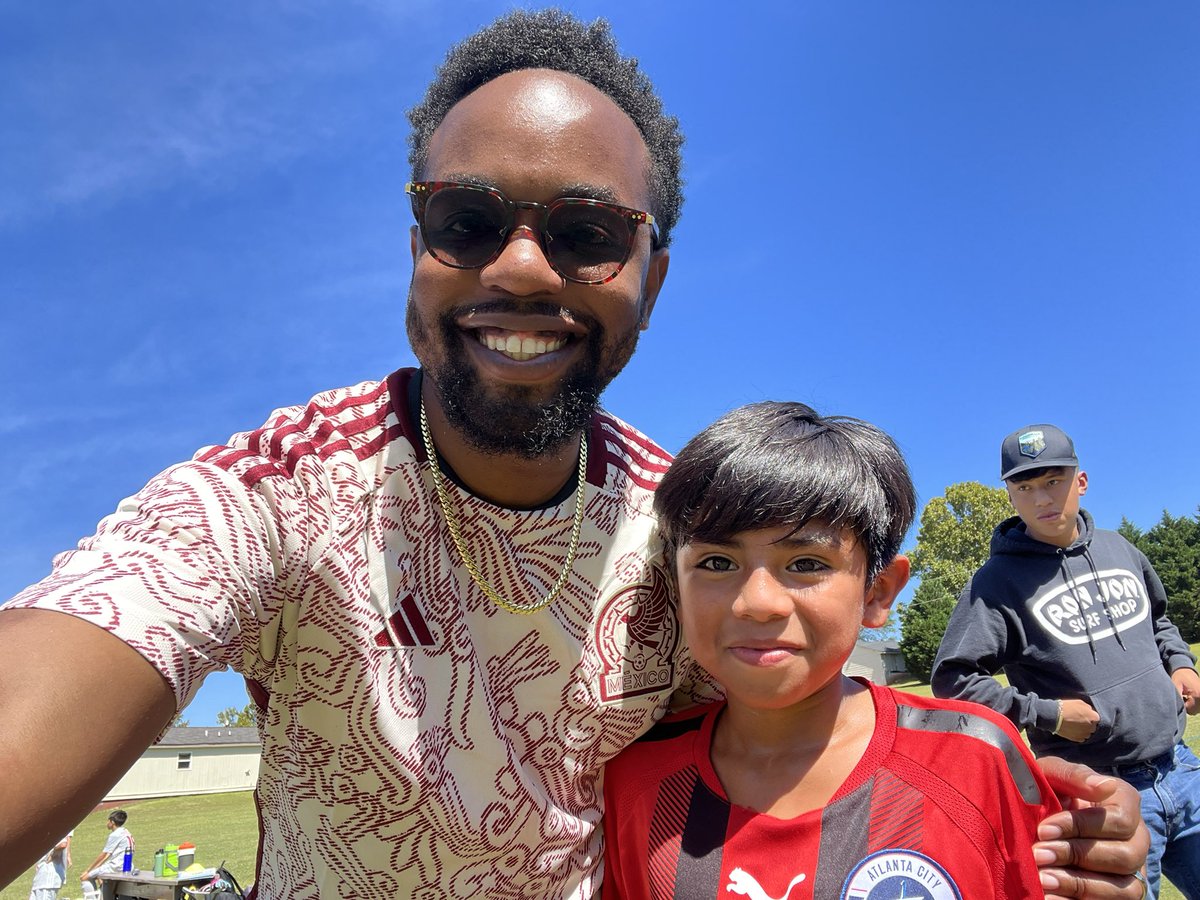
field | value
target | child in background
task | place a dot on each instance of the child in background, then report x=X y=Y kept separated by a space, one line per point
x=113 y=855
x=50 y=872
x=783 y=529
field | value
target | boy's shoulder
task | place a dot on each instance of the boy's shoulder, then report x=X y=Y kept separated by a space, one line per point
x=670 y=745
x=673 y=728
x=909 y=707
x=1114 y=539
x=940 y=719
x=931 y=730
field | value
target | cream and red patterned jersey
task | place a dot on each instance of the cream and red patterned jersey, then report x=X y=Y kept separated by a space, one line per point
x=418 y=741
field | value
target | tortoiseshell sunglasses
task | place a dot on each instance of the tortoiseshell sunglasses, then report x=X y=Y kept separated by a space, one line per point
x=465 y=226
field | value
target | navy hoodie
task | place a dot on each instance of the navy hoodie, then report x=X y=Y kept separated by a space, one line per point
x=1088 y=622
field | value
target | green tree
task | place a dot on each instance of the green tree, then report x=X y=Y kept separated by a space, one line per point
x=1173 y=548
x=237 y=718
x=952 y=542
x=923 y=622
x=1130 y=532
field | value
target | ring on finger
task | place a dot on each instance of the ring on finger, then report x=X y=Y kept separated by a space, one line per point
x=1144 y=883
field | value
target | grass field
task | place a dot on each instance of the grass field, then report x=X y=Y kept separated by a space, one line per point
x=225 y=827
x=222 y=826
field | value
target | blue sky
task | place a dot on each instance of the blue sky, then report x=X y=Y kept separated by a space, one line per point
x=951 y=218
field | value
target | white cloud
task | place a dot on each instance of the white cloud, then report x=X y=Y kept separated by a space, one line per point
x=103 y=111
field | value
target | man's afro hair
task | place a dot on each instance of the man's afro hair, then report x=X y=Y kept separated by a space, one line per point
x=553 y=39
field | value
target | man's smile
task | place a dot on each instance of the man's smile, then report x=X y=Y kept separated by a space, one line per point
x=522 y=335
x=520 y=346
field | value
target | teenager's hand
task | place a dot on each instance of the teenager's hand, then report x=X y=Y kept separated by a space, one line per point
x=1092 y=848
x=1187 y=682
x=1078 y=720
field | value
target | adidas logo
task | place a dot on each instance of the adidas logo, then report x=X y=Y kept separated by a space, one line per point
x=405 y=627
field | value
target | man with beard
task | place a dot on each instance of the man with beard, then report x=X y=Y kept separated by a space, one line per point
x=443 y=589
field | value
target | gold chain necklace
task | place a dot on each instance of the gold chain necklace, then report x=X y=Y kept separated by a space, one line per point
x=452 y=523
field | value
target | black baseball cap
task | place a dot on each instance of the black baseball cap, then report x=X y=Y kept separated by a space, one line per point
x=1036 y=447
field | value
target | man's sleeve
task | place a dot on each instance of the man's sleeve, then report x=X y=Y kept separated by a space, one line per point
x=977 y=644
x=189 y=572
x=1172 y=648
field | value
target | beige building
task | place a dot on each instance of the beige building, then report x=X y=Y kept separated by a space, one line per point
x=877 y=661
x=208 y=760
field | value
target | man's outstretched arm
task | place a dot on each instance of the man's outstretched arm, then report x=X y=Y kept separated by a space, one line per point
x=54 y=667
x=1096 y=844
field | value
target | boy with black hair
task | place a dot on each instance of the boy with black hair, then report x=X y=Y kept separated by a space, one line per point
x=784 y=528
x=113 y=855
x=1076 y=618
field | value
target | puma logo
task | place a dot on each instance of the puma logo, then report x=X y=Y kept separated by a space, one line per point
x=742 y=882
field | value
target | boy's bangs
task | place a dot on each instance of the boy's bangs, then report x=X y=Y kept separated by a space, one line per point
x=787 y=485
x=775 y=464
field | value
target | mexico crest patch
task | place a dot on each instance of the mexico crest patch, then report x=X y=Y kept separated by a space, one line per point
x=636 y=636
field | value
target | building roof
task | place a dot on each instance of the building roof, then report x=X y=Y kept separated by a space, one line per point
x=879 y=646
x=193 y=736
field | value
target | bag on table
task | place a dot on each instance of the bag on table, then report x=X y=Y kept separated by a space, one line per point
x=222 y=887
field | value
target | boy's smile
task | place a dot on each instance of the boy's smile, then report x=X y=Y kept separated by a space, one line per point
x=765 y=653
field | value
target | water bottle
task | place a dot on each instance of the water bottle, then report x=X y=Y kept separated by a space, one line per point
x=127 y=863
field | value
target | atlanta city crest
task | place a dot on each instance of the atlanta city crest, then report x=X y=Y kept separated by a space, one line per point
x=891 y=874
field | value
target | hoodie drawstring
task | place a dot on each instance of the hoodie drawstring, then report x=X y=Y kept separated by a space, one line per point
x=1087 y=554
x=1065 y=571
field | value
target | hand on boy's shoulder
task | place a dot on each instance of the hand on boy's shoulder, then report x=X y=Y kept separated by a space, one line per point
x=1187 y=682
x=1079 y=720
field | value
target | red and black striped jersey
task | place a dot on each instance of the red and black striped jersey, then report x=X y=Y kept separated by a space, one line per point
x=943 y=804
